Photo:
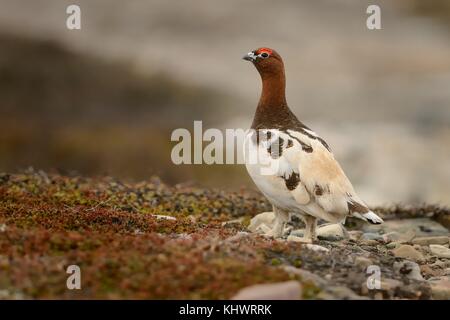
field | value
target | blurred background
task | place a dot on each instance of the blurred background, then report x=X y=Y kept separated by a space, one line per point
x=105 y=99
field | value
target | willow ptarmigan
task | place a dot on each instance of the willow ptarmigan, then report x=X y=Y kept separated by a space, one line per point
x=291 y=165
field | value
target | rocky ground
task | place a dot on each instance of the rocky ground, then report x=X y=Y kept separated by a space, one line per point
x=148 y=241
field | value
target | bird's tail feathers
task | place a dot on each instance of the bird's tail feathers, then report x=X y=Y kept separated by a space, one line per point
x=370 y=217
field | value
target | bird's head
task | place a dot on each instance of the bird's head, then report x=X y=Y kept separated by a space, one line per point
x=267 y=61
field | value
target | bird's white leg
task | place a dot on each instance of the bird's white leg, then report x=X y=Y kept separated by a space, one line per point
x=310 y=228
x=281 y=218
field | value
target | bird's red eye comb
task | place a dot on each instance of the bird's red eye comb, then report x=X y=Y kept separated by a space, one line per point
x=262 y=50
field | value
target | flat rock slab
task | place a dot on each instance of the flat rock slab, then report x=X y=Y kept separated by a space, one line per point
x=421 y=227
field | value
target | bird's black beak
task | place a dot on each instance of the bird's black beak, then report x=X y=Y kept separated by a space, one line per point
x=250 y=56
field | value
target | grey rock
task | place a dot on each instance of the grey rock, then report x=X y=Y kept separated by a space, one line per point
x=421 y=227
x=409 y=269
x=440 y=251
x=289 y=290
x=331 y=232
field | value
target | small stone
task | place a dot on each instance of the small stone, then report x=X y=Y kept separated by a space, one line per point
x=2 y=227
x=408 y=252
x=371 y=236
x=363 y=261
x=331 y=232
x=440 y=289
x=161 y=217
x=370 y=242
x=289 y=290
x=233 y=223
x=409 y=269
x=316 y=248
x=424 y=241
x=440 y=251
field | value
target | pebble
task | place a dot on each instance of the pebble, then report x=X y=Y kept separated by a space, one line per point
x=409 y=269
x=289 y=290
x=161 y=217
x=331 y=232
x=316 y=248
x=231 y=223
x=440 y=251
x=2 y=227
x=424 y=241
x=408 y=252
x=370 y=242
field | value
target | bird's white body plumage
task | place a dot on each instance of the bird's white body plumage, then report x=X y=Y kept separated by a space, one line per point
x=322 y=190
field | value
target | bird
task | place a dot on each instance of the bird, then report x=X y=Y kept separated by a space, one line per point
x=291 y=165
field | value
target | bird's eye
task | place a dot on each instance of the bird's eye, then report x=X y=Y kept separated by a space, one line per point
x=264 y=55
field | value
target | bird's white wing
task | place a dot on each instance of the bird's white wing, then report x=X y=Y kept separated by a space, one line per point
x=321 y=180
x=303 y=174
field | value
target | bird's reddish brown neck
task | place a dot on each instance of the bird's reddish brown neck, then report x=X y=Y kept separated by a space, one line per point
x=273 y=91
x=272 y=104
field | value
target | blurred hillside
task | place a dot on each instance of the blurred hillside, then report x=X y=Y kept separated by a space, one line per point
x=105 y=99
